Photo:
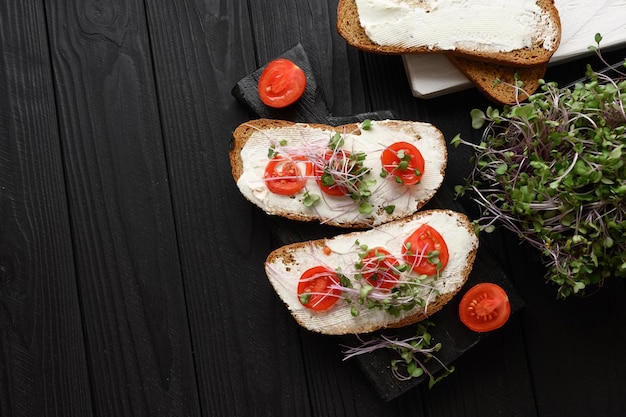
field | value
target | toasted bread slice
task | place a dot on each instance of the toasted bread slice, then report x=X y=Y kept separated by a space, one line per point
x=480 y=41
x=499 y=82
x=256 y=142
x=342 y=253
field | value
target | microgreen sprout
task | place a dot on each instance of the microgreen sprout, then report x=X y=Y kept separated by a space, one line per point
x=413 y=352
x=310 y=199
x=336 y=141
x=553 y=171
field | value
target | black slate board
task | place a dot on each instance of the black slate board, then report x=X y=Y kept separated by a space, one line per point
x=454 y=336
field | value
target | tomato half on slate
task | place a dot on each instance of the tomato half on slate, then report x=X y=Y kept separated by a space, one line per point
x=315 y=288
x=426 y=251
x=380 y=268
x=484 y=307
x=281 y=83
x=287 y=175
x=404 y=161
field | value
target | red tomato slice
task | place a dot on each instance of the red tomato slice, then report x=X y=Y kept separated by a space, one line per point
x=484 y=307
x=404 y=161
x=337 y=162
x=314 y=288
x=281 y=83
x=420 y=251
x=287 y=176
x=379 y=268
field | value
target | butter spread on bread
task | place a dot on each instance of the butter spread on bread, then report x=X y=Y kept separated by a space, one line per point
x=285 y=266
x=258 y=141
x=521 y=32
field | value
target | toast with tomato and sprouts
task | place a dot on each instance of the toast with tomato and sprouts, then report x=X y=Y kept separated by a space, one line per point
x=390 y=276
x=357 y=175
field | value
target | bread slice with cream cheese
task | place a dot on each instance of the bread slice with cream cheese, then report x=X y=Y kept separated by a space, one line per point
x=520 y=33
x=255 y=142
x=285 y=265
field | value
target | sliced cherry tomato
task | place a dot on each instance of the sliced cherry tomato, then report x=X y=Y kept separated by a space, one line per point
x=404 y=161
x=484 y=307
x=287 y=176
x=380 y=268
x=426 y=251
x=315 y=288
x=333 y=167
x=281 y=83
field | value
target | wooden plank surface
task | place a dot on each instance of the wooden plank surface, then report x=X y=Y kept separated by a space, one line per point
x=43 y=362
x=125 y=250
x=236 y=337
x=131 y=268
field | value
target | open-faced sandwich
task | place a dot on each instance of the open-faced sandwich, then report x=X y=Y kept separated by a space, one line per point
x=356 y=175
x=393 y=275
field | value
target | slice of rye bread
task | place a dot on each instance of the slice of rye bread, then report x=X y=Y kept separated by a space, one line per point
x=284 y=267
x=249 y=157
x=498 y=82
x=349 y=27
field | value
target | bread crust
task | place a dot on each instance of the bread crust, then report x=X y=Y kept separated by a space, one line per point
x=288 y=262
x=349 y=27
x=497 y=82
x=244 y=132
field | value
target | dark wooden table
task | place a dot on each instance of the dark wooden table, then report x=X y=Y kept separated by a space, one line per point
x=131 y=269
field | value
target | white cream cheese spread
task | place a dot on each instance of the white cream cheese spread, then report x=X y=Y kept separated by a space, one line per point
x=488 y=25
x=343 y=209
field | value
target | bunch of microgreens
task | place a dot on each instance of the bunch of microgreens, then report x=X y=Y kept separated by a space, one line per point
x=552 y=170
x=414 y=353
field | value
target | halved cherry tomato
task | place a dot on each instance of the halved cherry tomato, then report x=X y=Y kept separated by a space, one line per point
x=287 y=175
x=484 y=307
x=331 y=167
x=404 y=161
x=426 y=251
x=281 y=83
x=315 y=288
x=379 y=268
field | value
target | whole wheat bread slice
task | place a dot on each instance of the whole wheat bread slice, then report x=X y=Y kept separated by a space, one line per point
x=285 y=265
x=499 y=82
x=350 y=28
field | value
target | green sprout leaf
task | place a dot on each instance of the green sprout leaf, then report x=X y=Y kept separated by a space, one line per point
x=478 y=118
x=309 y=199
